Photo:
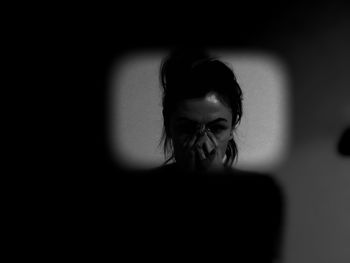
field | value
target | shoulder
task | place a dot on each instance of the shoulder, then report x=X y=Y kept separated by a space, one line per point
x=231 y=177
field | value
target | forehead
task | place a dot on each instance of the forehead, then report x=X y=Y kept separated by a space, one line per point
x=203 y=109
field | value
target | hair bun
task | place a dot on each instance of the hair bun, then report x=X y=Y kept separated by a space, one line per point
x=177 y=67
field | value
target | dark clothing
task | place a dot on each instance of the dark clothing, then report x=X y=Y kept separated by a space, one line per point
x=233 y=214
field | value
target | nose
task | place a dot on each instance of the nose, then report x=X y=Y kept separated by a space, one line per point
x=203 y=140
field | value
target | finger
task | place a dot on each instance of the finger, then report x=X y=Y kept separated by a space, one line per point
x=216 y=152
x=188 y=156
x=214 y=144
x=201 y=140
x=208 y=147
x=213 y=139
x=190 y=142
x=191 y=160
x=200 y=153
x=198 y=141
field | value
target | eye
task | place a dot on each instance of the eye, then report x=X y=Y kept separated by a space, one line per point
x=186 y=128
x=217 y=128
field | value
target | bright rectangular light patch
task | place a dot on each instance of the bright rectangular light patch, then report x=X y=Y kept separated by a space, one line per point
x=135 y=120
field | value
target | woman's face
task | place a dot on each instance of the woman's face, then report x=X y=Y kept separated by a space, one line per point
x=201 y=123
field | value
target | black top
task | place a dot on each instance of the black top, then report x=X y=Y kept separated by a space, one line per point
x=235 y=214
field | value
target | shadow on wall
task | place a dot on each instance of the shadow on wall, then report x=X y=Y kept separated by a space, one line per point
x=344 y=143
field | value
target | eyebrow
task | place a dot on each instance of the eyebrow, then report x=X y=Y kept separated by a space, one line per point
x=211 y=122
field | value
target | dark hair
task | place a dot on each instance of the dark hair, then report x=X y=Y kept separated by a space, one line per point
x=189 y=73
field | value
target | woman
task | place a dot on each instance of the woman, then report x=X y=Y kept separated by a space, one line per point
x=238 y=218
x=202 y=106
